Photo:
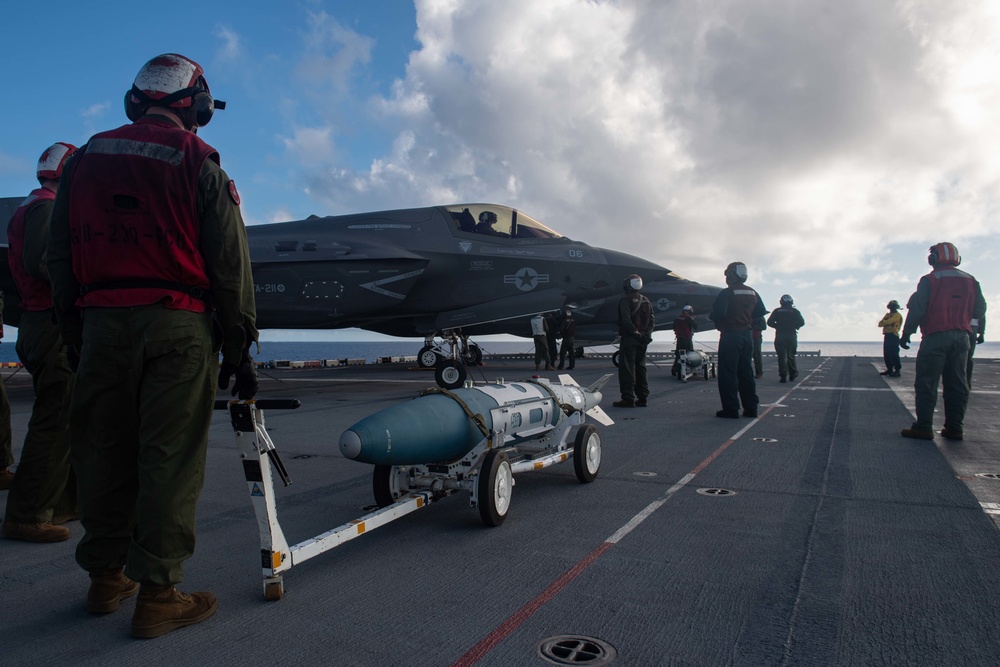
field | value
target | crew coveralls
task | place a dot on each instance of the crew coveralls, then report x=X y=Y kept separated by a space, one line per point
x=568 y=342
x=786 y=321
x=945 y=304
x=733 y=312
x=43 y=484
x=891 y=324
x=635 y=326
x=539 y=328
x=141 y=412
x=684 y=328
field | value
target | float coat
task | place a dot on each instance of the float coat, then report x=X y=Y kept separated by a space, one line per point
x=436 y=428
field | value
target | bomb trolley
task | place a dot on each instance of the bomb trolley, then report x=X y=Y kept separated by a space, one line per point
x=486 y=472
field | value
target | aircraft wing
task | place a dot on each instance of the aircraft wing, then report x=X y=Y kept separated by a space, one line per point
x=506 y=308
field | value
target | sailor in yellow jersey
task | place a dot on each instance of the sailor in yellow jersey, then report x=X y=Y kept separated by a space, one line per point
x=891 y=324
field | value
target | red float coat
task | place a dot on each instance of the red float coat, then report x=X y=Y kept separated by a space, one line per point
x=133 y=217
x=36 y=294
x=952 y=297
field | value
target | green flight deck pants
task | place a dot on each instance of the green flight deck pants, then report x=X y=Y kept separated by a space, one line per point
x=139 y=422
x=43 y=470
x=942 y=357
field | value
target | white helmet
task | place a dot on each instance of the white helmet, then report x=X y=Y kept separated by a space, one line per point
x=50 y=165
x=175 y=81
x=736 y=272
x=633 y=283
x=688 y=309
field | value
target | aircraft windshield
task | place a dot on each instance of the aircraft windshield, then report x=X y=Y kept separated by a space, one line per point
x=499 y=221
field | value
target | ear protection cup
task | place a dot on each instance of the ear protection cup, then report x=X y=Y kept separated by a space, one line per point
x=204 y=107
x=133 y=108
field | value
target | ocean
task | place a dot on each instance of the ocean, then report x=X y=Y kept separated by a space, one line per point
x=372 y=350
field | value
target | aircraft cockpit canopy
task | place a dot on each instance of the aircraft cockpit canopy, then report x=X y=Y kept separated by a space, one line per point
x=498 y=221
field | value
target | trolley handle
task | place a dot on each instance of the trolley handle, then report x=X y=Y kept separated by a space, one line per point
x=263 y=404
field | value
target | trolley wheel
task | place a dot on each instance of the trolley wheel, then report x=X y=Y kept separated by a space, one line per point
x=474 y=357
x=615 y=358
x=450 y=374
x=385 y=484
x=587 y=453
x=427 y=357
x=495 y=484
x=273 y=590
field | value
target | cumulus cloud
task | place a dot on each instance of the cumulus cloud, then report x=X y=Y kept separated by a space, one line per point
x=798 y=136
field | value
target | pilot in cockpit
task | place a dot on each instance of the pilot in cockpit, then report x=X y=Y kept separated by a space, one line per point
x=486 y=221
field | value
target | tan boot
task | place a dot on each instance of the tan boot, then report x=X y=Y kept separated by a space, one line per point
x=107 y=590
x=35 y=532
x=160 y=609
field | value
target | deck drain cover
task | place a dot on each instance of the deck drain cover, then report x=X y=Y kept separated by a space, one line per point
x=576 y=650
x=716 y=492
x=645 y=474
x=989 y=475
x=765 y=440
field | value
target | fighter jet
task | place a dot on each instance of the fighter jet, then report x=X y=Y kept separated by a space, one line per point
x=443 y=273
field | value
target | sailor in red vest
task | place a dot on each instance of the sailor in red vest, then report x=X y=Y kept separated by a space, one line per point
x=147 y=242
x=684 y=327
x=945 y=304
x=42 y=493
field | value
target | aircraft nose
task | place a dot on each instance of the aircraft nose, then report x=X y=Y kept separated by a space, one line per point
x=350 y=444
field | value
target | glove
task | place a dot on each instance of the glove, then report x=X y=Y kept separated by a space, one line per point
x=904 y=342
x=246 y=377
x=980 y=338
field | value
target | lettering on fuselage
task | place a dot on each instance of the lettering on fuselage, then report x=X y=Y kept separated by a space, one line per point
x=269 y=288
x=379 y=226
x=481 y=265
x=526 y=279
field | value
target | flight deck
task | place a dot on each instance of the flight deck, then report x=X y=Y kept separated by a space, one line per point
x=811 y=535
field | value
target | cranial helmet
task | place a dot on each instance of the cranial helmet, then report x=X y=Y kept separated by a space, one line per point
x=786 y=300
x=50 y=165
x=489 y=217
x=892 y=305
x=171 y=80
x=688 y=309
x=633 y=283
x=944 y=254
x=736 y=272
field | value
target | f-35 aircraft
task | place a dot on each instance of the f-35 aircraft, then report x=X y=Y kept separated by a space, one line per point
x=443 y=273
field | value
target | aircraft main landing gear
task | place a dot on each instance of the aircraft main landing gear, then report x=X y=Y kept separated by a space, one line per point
x=450 y=357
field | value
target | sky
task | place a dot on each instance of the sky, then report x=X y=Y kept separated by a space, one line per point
x=826 y=145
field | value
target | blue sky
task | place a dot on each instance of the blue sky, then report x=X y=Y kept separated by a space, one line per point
x=825 y=145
